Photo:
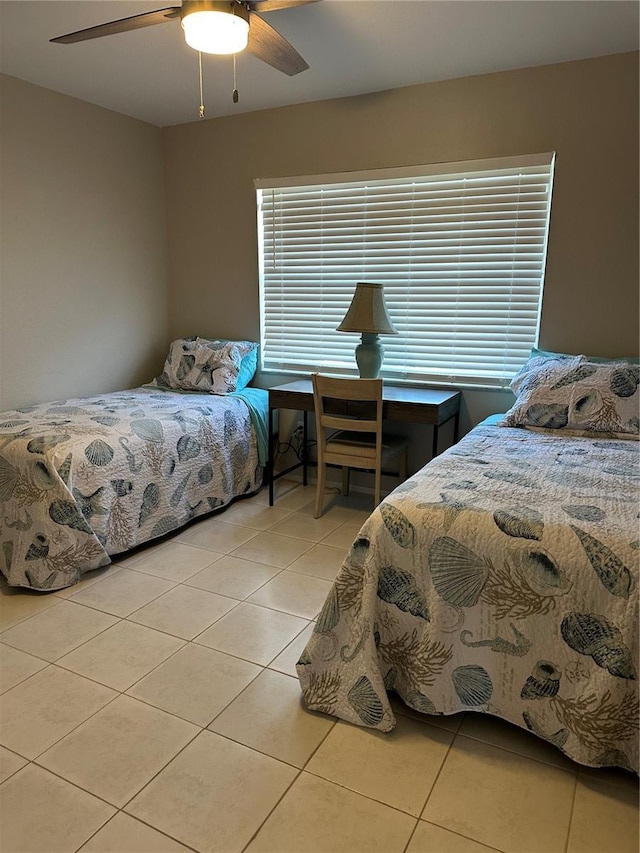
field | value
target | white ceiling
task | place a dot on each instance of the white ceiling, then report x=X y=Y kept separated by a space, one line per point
x=352 y=47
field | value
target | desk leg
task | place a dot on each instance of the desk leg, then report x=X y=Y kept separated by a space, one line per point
x=434 y=446
x=305 y=460
x=270 y=457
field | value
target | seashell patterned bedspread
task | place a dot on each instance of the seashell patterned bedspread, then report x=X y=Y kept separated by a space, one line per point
x=500 y=578
x=83 y=479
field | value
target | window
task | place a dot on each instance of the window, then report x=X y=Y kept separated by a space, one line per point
x=459 y=247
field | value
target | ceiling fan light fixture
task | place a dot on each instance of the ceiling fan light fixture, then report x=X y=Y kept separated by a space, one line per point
x=216 y=30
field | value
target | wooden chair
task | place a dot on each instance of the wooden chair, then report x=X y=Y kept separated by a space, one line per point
x=352 y=408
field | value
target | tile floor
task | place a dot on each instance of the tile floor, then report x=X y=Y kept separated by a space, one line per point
x=154 y=707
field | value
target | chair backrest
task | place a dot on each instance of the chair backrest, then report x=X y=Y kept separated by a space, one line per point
x=343 y=403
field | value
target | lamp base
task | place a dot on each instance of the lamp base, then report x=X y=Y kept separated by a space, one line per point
x=369 y=356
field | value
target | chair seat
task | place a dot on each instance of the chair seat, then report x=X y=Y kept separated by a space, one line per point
x=365 y=444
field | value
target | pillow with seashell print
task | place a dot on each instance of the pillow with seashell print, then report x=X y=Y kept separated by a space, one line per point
x=198 y=364
x=578 y=394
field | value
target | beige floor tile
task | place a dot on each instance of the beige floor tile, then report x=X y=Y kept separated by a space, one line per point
x=124 y=834
x=233 y=577
x=302 y=525
x=508 y=736
x=397 y=768
x=253 y=633
x=450 y=722
x=433 y=839
x=337 y=511
x=288 y=658
x=361 y=515
x=344 y=536
x=41 y=710
x=610 y=776
x=57 y=630
x=260 y=497
x=255 y=515
x=89 y=578
x=174 y=561
x=121 y=655
x=123 y=593
x=128 y=558
x=605 y=819
x=216 y=535
x=502 y=799
x=184 y=611
x=16 y=666
x=196 y=683
x=268 y=716
x=321 y=561
x=119 y=749
x=17 y=604
x=293 y=593
x=272 y=549
x=316 y=816
x=10 y=763
x=292 y=495
x=360 y=502
x=44 y=814
x=214 y=795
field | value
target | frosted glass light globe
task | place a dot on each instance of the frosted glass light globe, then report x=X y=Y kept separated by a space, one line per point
x=215 y=32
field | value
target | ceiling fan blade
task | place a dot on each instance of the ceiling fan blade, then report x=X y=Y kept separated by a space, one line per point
x=160 y=16
x=269 y=46
x=274 y=5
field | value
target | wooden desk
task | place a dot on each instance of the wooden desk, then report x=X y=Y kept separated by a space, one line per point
x=430 y=406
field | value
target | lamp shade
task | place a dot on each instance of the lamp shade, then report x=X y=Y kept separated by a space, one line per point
x=367 y=312
x=214 y=27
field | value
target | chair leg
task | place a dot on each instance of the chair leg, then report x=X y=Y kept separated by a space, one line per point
x=320 y=491
x=346 y=471
x=377 y=487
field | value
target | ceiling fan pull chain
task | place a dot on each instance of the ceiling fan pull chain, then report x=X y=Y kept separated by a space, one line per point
x=201 y=110
x=235 y=81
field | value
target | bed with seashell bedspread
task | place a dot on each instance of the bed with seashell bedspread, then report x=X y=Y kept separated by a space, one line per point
x=84 y=479
x=501 y=578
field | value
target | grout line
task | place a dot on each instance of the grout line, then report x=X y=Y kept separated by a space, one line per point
x=246 y=660
x=361 y=794
x=74 y=648
x=570 y=770
x=75 y=785
x=55 y=600
x=571 y=813
x=275 y=806
x=435 y=781
x=465 y=837
x=268 y=665
x=410 y=839
x=77 y=726
x=139 y=820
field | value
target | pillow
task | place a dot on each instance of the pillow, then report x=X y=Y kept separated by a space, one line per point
x=197 y=364
x=576 y=393
x=249 y=363
x=598 y=359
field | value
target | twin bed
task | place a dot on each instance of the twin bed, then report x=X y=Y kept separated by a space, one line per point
x=82 y=480
x=502 y=577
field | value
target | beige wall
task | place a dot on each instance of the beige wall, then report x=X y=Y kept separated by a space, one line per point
x=83 y=269
x=83 y=266
x=586 y=111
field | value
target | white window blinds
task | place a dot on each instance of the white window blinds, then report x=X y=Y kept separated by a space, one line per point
x=459 y=247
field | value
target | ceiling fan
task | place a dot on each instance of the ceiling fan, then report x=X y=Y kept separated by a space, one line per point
x=215 y=26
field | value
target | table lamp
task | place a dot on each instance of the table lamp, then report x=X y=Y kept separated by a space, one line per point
x=368 y=314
